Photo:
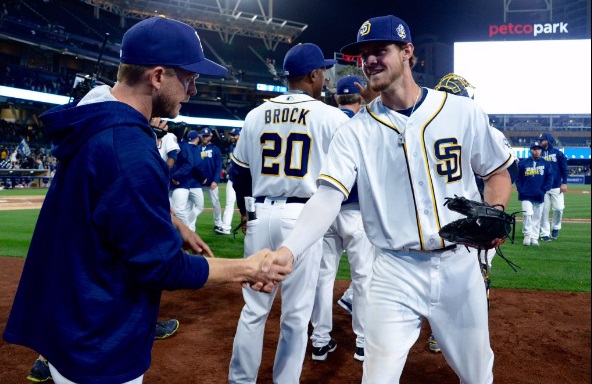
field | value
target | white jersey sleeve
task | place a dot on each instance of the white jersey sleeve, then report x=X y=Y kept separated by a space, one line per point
x=168 y=144
x=284 y=143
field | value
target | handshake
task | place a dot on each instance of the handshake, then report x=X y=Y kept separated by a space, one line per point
x=265 y=269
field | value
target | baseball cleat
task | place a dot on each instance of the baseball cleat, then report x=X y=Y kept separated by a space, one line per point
x=359 y=355
x=345 y=305
x=321 y=353
x=434 y=347
x=534 y=242
x=166 y=329
x=554 y=234
x=221 y=231
x=545 y=238
x=40 y=372
x=526 y=240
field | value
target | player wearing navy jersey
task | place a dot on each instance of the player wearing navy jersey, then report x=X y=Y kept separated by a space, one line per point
x=233 y=135
x=555 y=197
x=535 y=179
x=211 y=167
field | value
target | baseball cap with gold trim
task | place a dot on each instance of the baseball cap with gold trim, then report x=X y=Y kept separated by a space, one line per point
x=167 y=42
x=377 y=29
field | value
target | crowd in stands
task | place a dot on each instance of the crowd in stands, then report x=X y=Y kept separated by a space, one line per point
x=11 y=135
x=25 y=78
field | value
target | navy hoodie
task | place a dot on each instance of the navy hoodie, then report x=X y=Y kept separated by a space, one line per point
x=534 y=179
x=211 y=163
x=103 y=248
x=557 y=159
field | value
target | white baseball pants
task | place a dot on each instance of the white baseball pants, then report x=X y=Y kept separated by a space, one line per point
x=346 y=233
x=229 y=207
x=59 y=379
x=445 y=287
x=187 y=204
x=531 y=218
x=555 y=200
x=275 y=220
x=215 y=199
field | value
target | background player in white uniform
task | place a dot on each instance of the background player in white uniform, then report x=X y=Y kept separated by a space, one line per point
x=234 y=135
x=187 y=198
x=346 y=233
x=458 y=85
x=408 y=150
x=282 y=147
x=165 y=141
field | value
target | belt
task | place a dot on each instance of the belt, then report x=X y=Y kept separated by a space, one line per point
x=300 y=200
x=447 y=248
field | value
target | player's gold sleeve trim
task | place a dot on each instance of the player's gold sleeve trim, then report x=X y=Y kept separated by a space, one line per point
x=334 y=182
x=505 y=165
x=238 y=162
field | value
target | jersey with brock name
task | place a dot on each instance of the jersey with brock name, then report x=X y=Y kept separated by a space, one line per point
x=402 y=189
x=284 y=142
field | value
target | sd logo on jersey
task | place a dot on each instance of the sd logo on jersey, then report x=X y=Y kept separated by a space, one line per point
x=448 y=151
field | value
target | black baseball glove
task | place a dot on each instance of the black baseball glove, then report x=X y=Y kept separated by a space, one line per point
x=485 y=227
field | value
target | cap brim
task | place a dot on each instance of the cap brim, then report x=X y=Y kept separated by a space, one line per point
x=353 y=49
x=329 y=63
x=206 y=67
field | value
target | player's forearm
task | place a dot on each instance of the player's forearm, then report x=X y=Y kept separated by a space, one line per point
x=498 y=189
x=315 y=219
x=262 y=271
x=229 y=270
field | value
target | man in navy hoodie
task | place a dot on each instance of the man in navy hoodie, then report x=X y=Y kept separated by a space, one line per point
x=105 y=245
x=211 y=166
x=534 y=179
x=555 y=197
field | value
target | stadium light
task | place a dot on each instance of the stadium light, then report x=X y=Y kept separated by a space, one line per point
x=49 y=98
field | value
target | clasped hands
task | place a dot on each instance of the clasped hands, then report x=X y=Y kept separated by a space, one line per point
x=267 y=268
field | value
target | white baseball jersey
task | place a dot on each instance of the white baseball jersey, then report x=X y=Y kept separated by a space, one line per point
x=285 y=161
x=405 y=191
x=168 y=144
x=283 y=144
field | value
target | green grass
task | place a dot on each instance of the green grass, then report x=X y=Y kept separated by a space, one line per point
x=561 y=265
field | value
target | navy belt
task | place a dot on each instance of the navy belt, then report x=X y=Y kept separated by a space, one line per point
x=448 y=248
x=300 y=200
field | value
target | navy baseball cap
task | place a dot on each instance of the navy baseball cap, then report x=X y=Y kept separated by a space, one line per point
x=205 y=132
x=536 y=144
x=192 y=135
x=235 y=131
x=346 y=85
x=383 y=28
x=167 y=42
x=304 y=58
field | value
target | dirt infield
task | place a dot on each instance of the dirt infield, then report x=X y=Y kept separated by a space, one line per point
x=538 y=337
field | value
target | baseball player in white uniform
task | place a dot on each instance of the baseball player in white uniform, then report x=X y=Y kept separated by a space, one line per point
x=282 y=147
x=346 y=233
x=167 y=144
x=233 y=135
x=458 y=85
x=408 y=150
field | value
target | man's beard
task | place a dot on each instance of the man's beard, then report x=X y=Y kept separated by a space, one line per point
x=165 y=107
